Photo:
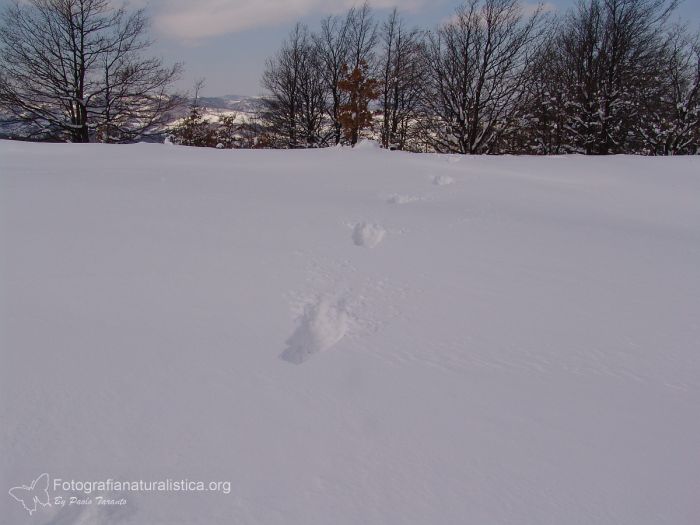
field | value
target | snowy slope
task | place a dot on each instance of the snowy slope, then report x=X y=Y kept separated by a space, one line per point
x=351 y=336
x=242 y=108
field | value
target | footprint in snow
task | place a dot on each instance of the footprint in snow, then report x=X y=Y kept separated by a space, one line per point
x=443 y=180
x=322 y=324
x=368 y=235
x=402 y=199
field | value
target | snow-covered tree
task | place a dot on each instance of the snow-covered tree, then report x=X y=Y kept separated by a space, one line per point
x=478 y=67
x=542 y=129
x=671 y=119
x=608 y=64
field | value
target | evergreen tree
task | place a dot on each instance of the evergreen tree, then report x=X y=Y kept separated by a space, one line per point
x=194 y=129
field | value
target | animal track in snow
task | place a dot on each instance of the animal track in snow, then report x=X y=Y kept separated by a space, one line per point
x=322 y=324
x=368 y=235
x=443 y=180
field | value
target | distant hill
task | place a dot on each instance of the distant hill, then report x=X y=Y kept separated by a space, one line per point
x=242 y=105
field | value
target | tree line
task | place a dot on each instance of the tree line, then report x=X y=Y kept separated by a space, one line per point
x=604 y=77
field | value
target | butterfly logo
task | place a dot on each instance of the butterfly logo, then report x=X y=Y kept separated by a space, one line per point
x=29 y=496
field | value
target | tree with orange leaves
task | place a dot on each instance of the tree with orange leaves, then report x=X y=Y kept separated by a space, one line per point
x=360 y=90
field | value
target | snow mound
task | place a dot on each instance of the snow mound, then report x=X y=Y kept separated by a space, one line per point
x=367 y=144
x=443 y=180
x=368 y=235
x=322 y=325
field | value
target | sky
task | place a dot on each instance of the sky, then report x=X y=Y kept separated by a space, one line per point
x=227 y=42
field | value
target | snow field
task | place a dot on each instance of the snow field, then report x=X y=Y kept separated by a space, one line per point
x=519 y=347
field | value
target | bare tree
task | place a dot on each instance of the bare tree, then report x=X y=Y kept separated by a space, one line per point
x=362 y=35
x=281 y=80
x=332 y=47
x=135 y=90
x=479 y=66
x=403 y=75
x=295 y=104
x=69 y=67
x=312 y=96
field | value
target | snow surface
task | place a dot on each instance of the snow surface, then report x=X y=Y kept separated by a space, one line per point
x=521 y=349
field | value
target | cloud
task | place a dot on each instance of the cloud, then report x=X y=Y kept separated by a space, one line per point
x=196 y=20
x=530 y=9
